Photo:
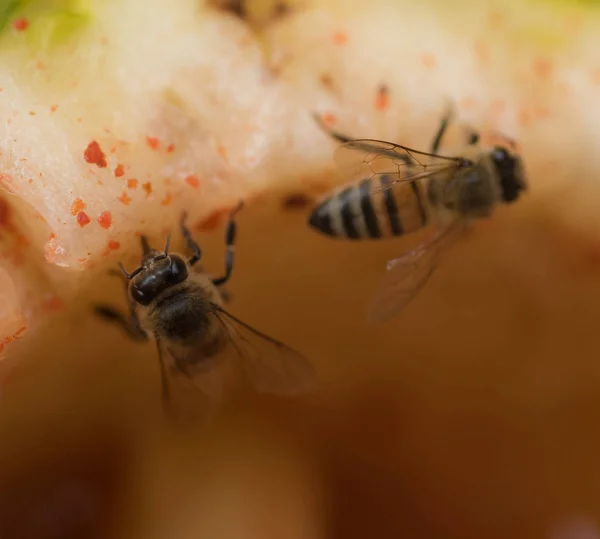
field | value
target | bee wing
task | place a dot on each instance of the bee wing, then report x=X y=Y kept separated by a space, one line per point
x=270 y=365
x=366 y=158
x=407 y=274
x=181 y=380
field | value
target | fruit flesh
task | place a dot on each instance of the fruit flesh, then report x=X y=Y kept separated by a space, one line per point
x=461 y=408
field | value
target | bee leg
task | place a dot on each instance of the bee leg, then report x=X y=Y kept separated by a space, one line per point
x=230 y=245
x=164 y=384
x=131 y=327
x=191 y=244
x=437 y=140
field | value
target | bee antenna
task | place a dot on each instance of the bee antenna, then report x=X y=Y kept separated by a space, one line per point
x=167 y=243
x=132 y=274
x=145 y=244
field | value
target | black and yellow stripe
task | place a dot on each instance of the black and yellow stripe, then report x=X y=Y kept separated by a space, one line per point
x=360 y=212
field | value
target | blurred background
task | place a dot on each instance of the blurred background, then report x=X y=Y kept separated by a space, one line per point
x=474 y=413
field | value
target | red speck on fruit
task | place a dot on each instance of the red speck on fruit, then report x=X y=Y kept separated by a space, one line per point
x=82 y=219
x=382 y=97
x=192 y=181
x=147 y=187
x=94 y=155
x=167 y=200
x=105 y=219
x=20 y=24
x=340 y=37
x=125 y=198
x=170 y=148
x=113 y=245
x=119 y=170
x=328 y=118
x=53 y=108
x=482 y=51
x=132 y=183
x=52 y=236
x=428 y=60
x=542 y=67
x=77 y=206
x=153 y=142
x=222 y=151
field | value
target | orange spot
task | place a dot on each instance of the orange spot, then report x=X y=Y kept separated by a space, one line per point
x=496 y=19
x=222 y=151
x=153 y=142
x=147 y=187
x=429 y=60
x=119 y=170
x=596 y=76
x=170 y=148
x=382 y=98
x=113 y=245
x=328 y=118
x=482 y=51
x=340 y=37
x=105 y=219
x=82 y=219
x=132 y=183
x=20 y=24
x=94 y=155
x=167 y=200
x=192 y=181
x=53 y=108
x=77 y=206
x=542 y=67
x=125 y=198
x=31 y=113
x=52 y=236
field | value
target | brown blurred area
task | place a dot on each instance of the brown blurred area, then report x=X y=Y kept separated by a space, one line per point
x=474 y=413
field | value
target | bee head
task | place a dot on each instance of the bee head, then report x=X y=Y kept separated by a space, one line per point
x=158 y=271
x=510 y=171
x=156 y=275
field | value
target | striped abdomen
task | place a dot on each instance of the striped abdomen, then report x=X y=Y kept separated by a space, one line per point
x=357 y=212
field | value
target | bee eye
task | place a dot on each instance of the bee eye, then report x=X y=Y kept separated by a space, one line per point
x=140 y=296
x=178 y=270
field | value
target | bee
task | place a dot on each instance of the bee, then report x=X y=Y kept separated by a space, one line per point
x=395 y=190
x=181 y=309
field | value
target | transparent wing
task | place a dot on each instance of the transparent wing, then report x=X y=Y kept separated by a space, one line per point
x=270 y=365
x=192 y=384
x=366 y=158
x=407 y=274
